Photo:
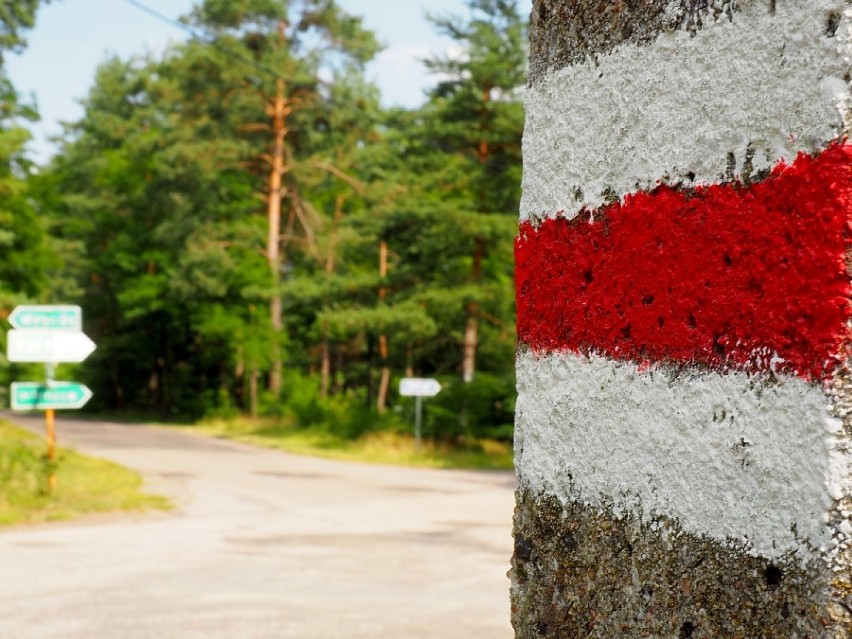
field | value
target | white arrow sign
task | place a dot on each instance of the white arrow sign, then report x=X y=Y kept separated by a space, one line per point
x=419 y=387
x=48 y=345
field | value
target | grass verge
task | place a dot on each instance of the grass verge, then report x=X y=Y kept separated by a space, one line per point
x=84 y=485
x=382 y=447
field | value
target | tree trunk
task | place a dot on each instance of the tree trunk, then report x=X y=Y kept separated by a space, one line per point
x=337 y=380
x=325 y=365
x=409 y=361
x=381 y=402
x=471 y=330
x=278 y=110
x=239 y=379
x=253 y=392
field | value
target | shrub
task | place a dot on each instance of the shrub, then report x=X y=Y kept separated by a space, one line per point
x=345 y=415
x=483 y=408
x=23 y=470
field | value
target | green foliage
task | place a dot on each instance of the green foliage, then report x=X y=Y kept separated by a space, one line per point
x=345 y=416
x=23 y=471
x=254 y=20
x=84 y=485
x=16 y=16
x=481 y=409
x=162 y=188
x=406 y=321
x=157 y=206
x=389 y=446
x=476 y=108
x=24 y=256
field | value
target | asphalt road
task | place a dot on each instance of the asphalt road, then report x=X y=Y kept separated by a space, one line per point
x=263 y=545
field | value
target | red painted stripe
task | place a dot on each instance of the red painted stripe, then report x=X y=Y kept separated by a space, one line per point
x=723 y=276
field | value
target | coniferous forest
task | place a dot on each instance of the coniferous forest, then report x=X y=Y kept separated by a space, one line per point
x=248 y=230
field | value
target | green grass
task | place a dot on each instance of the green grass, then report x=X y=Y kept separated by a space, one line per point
x=83 y=485
x=382 y=447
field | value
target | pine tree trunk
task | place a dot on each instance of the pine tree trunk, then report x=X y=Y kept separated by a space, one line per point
x=325 y=364
x=381 y=402
x=337 y=380
x=278 y=110
x=409 y=361
x=253 y=376
x=471 y=330
x=239 y=379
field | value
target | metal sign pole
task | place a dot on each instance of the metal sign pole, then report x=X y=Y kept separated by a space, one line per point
x=418 y=388
x=50 y=429
x=418 y=418
x=50 y=334
x=51 y=447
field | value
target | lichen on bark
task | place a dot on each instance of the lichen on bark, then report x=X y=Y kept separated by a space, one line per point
x=579 y=571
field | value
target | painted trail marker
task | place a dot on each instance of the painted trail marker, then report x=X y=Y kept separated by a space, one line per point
x=684 y=361
x=48 y=345
x=67 y=317
x=418 y=387
x=41 y=396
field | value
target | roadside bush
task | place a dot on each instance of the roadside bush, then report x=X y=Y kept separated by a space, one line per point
x=23 y=470
x=345 y=415
x=220 y=403
x=459 y=414
x=483 y=408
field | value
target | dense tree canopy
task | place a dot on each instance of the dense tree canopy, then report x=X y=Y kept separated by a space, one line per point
x=26 y=259
x=16 y=16
x=22 y=242
x=248 y=229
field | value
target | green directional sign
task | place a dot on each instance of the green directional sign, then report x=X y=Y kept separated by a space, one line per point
x=40 y=396
x=61 y=316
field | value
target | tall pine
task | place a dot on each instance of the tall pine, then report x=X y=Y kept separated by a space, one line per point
x=475 y=112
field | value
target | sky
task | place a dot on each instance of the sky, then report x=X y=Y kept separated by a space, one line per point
x=72 y=37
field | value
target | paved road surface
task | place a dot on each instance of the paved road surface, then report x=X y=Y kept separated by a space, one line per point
x=264 y=545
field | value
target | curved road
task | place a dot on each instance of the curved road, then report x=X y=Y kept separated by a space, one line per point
x=263 y=544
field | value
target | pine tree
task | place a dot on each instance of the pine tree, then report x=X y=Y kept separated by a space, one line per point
x=16 y=16
x=476 y=112
x=165 y=182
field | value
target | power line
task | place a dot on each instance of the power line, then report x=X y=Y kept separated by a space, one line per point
x=161 y=17
x=257 y=66
x=200 y=38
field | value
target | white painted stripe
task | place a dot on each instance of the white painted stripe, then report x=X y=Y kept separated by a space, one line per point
x=729 y=456
x=644 y=114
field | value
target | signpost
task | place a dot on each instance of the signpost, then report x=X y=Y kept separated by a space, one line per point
x=59 y=316
x=418 y=387
x=38 y=395
x=51 y=335
x=48 y=345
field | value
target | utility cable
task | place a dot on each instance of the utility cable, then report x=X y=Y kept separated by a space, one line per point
x=196 y=36
x=228 y=50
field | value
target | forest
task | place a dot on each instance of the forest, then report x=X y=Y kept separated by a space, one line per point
x=250 y=232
